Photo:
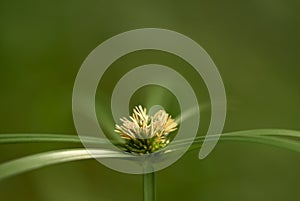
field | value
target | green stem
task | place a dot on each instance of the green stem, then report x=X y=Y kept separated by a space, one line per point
x=149 y=186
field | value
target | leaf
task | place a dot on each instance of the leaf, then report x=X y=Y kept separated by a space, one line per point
x=287 y=139
x=61 y=138
x=40 y=160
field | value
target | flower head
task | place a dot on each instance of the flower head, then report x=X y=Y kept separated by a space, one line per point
x=146 y=134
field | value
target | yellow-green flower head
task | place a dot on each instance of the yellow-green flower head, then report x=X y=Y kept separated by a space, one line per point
x=146 y=134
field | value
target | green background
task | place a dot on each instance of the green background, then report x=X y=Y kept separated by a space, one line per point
x=255 y=45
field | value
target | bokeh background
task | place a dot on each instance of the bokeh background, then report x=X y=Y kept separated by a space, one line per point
x=255 y=45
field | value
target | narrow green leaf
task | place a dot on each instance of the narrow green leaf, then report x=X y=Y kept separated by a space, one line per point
x=287 y=139
x=40 y=160
x=42 y=137
x=290 y=144
x=256 y=132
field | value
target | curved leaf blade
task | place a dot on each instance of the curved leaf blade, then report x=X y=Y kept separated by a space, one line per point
x=287 y=139
x=40 y=160
x=42 y=137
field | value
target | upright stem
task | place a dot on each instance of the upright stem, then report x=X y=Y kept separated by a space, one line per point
x=149 y=186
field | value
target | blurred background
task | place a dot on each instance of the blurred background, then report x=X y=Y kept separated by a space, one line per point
x=255 y=45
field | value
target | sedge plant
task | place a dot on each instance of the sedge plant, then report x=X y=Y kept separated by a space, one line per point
x=142 y=134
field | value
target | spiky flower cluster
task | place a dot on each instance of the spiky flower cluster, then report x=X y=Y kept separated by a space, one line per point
x=146 y=134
